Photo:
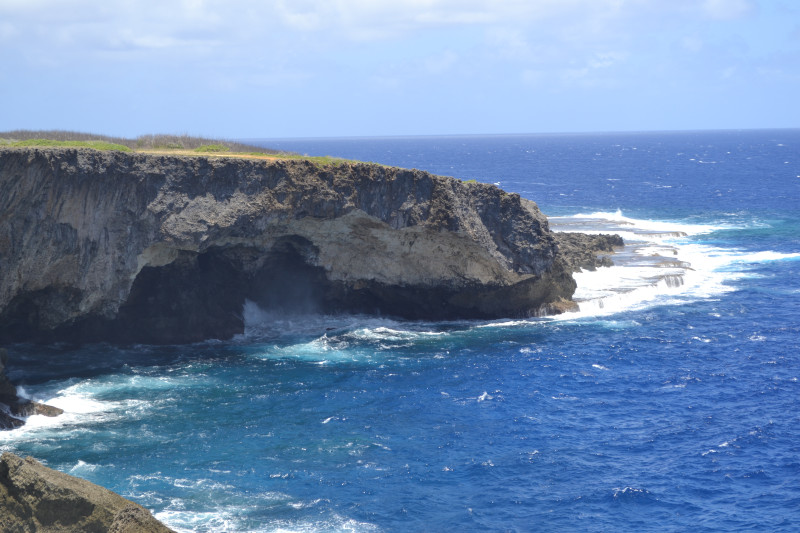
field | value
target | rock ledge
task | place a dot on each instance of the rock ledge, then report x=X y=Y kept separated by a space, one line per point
x=34 y=498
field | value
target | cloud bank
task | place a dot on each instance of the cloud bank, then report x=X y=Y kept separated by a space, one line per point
x=439 y=66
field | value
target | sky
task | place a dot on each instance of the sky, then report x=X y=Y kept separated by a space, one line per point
x=343 y=68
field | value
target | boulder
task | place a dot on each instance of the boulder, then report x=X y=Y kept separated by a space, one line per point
x=34 y=498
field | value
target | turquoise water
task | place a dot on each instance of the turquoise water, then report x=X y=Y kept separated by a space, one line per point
x=669 y=402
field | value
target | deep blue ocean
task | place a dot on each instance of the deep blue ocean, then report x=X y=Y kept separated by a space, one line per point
x=670 y=402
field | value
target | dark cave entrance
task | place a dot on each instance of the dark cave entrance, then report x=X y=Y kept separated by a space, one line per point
x=201 y=296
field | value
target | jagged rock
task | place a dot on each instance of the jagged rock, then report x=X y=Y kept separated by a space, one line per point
x=165 y=249
x=583 y=251
x=12 y=406
x=24 y=407
x=9 y=422
x=34 y=498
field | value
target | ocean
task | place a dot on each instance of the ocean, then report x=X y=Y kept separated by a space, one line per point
x=669 y=402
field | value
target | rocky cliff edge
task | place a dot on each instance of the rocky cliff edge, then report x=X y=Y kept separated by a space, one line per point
x=164 y=249
x=34 y=498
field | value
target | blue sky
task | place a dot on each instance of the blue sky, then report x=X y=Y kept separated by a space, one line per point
x=329 y=68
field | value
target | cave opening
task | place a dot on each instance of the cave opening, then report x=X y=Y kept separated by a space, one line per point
x=202 y=295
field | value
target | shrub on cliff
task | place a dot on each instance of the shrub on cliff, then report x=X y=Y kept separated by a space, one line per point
x=212 y=148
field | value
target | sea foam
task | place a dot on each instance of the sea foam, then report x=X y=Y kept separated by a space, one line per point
x=661 y=264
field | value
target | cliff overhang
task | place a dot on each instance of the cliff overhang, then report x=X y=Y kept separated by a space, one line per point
x=126 y=247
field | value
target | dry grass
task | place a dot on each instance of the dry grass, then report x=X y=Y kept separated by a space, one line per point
x=143 y=142
x=158 y=144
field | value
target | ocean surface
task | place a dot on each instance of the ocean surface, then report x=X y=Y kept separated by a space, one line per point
x=669 y=402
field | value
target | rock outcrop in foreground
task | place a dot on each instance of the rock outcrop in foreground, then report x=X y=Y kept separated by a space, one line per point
x=34 y=498
x=165 y=249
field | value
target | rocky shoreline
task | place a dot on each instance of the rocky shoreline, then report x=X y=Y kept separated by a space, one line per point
x=582 y=251
x=128 y=248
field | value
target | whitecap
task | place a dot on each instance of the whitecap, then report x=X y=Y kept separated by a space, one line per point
x=764 y=257
x=83 y=469
x=662 y=263
x=183 y=521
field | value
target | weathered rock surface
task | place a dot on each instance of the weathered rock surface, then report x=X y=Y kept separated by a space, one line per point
x=583 y=251
x=161 y=249
x=34 y=498
x=12 y=407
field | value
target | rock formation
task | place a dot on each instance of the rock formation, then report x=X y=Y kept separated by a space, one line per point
x=13 y=408
x=582 y=251
x=34 y=498
x=165 y=249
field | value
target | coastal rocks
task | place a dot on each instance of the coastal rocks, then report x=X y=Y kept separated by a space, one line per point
x=165 y=249
x=583 y=251
x=12 y=407
x=34 y=498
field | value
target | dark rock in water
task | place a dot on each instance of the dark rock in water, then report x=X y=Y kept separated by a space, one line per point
x=165 y=249
x=28 y=408
x=12 y=406
x=34 y=498
x=9 y=422
x=583 y=251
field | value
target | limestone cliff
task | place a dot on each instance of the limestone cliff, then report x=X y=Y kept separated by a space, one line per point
x=34 y=498
x=159 y=248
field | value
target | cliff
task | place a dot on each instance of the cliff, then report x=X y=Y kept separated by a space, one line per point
x=129 y=247
x=34 y=498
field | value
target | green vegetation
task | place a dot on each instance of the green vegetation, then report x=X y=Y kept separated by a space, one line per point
x=320 y=160
x=143 y=142
x=212 y=148
x=166 y=143
x=97 y=145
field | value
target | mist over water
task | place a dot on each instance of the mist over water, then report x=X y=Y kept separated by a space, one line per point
x=668 y=402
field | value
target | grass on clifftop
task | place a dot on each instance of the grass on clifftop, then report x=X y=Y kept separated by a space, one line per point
x=141 y=143
x=177 y=144
x=97 y=145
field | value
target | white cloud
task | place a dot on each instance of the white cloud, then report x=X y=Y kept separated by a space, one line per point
x=517 y=26
x=727 y=9
x=307 y=44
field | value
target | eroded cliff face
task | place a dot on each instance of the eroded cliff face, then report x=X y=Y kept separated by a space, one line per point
x=161 y=249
